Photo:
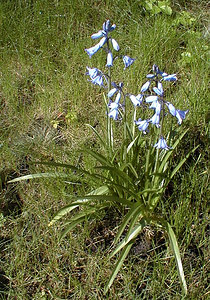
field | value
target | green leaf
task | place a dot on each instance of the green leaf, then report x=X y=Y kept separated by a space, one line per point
x=100 y=191
x=119 y=264
x=169 y=153
x=126 y=221
x=40 y=175
x=102 y=159
x=175 y=248
x=182 y=162
x=72 y=225
x=134 y=233
x=131 y=144
x=105 y=198
x=66 y=209
x=117 y=172
x=97 y=134
x=136 y=217
x=71 y=167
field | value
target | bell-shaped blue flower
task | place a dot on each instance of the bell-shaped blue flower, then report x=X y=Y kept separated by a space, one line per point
x=142 y=125
x=159 y=89
x=155 y=120
x=109 y=62
x=145 y=86
x=112 y=92
x=171 y=109
x=97 y=35
x=180 y=115
x=117 y=88
x=128 y=61
x=113 y=110
x=135 y=100
x=91 y=51
x=161 y=144
x=150 y=76
x=103 y=34
x=96 y=76
x=115 y=45
x=151 y=99
x=157 y=106
x=171 y=77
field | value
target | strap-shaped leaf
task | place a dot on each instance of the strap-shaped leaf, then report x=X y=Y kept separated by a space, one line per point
x=66 y=209
x=119 y=264
x=175 y=170
x=136 y=217
x=126 y=221
x=169 y=153
x=99 y=157
x=134 y=233
x=40 y=175
x=132 y=143
x=175 y=249
x=117 y=172
x=97 y=134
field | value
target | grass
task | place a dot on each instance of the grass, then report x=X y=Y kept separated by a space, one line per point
x=42 y=84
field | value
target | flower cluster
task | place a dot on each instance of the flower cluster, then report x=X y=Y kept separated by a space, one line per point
x=105 y=39
x=151 y=92
x=157 y=103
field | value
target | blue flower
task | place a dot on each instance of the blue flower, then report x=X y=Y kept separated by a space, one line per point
x=136 y=100
x=159 y=90
x=171 y=77
x=96 y=76
x=171 y=109
x=95 y=48
x=161 y=144
x=180 y=115
x=115 y=45
x=117 y=88
x=103 y=34
x=145 y=86
x=109 y=59
x=155 y=120
x=142 y=125
x=151 y=99
x=128 y=61
x=113 y=110
x=157 y=106
x=157 y=71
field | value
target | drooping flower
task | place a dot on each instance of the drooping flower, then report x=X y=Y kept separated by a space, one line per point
x=142 y=125
x=104 y=35
x=161 y=144
x=128 y=61
x=109 y=59
x=159 y=89
x=171 y=109
x=136 y=100
x=96 y=76
x=157 y=106
x=95 y=48
x=155 y=120
x=171 y=77
x=151 y=99
x=145 y=86
x=180 y=115
x=116 y=88
x=113 y=113
x=115 y=45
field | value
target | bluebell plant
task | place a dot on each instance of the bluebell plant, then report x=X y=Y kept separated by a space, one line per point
x=136 y=173
x=151 y=96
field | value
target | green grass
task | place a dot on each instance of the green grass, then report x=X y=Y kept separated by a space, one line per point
x=42 y=82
